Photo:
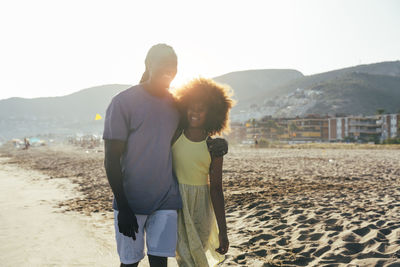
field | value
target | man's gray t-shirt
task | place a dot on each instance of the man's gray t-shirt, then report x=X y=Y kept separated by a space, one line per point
x=147 y=124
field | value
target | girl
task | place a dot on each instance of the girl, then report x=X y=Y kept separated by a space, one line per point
x=204 y=107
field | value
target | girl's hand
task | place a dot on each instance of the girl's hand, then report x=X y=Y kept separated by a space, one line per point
x=223 y=244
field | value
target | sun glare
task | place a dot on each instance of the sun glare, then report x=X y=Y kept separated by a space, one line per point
x=178 y=82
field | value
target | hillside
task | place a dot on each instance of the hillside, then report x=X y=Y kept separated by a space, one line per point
x=82 y=104
x=64 y=115
x=352 y=93
x=356 y=90
x=247 y=84
x=329 y=93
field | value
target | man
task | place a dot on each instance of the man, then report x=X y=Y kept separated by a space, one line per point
x=139 y=125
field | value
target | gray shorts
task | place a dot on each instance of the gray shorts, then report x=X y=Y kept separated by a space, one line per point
x=160 y=230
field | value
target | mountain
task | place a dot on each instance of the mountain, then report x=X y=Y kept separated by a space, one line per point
x=250 y=83
x=355 y=90
x=65 y=115
x=391 y=69
x=82 y=104
x=353 y=93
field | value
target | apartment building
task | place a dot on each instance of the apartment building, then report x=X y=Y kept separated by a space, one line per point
x=314 y=128
x=390 y=127
x=310 y=128
x=354 y=127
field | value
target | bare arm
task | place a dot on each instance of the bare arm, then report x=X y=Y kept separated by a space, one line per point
x=218 y=202
x=177 y=133
x=114 y=150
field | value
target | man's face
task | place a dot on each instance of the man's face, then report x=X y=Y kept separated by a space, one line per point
x=163 y=73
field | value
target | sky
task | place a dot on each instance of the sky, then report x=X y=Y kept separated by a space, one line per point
x=56 y=47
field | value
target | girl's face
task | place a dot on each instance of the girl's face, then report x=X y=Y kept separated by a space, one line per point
x=196 y=115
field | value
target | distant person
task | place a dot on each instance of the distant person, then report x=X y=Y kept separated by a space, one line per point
x=139 y=125
x=27 y=144
x=204 y=106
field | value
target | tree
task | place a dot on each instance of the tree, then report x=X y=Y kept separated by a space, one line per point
x=380 y=111
x=293 y=127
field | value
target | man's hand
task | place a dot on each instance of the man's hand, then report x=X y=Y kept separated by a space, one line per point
x=127 y=223
x=218 y=147
x=223 y=244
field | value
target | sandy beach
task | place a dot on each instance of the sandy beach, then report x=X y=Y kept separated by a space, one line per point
x=285 y=207
x=36 y=230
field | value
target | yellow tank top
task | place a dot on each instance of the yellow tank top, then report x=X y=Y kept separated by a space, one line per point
x=191 y=161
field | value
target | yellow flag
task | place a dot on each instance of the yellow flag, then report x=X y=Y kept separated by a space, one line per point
x=98 y=117
x=247 y=124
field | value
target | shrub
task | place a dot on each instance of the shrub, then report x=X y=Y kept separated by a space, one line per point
x=392 y=141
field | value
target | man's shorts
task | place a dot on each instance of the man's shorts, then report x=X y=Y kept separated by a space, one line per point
x=160 y=230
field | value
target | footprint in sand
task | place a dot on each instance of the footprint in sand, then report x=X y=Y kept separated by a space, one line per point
x=353 y=248
x=335 y=259
x=283 y=211
x=298 y=249
x=321 y=251
x=261 y=237
x=280 y=227
x=258 y=214
x=280 y=233
x=304 y=226
x=265 y=218
x=316 y=236
x=380 y=223
x=312 y=221
x=261 y=253
x=330 y=221
x=336 y=228
x=386 y=231
x=373 y=254
x=301 y=218
x=297 y=211
x=393 y=225
x=382 y=247
x=240 y=259
x=372 y=226
x=349 y=238
x=362 y=231
x=381 y=237
x=282 y=242
x=302 y=237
